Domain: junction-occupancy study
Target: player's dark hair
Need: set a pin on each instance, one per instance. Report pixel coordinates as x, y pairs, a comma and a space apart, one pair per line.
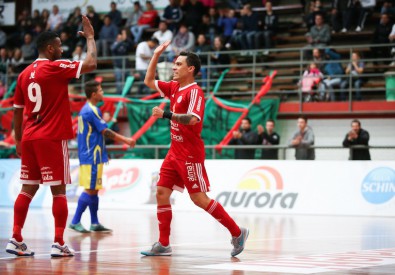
91, 87
303, 117
44, 39
356, 121
192, 60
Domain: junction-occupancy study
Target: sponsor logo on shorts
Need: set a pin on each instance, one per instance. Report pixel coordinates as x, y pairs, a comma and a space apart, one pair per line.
250, 191
191, 171
24, 175
47, 177
379, 185
178, 138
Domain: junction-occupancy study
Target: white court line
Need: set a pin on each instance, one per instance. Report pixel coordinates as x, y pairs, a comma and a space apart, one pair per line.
206, 243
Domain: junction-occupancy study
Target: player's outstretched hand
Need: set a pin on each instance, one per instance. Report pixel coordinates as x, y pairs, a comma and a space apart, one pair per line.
157, 112
88, 31
131, 142
161, 48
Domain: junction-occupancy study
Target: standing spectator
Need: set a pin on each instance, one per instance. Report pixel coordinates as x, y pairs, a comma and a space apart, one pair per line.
227, 23
357, 136
108, 34
134, 15
29, 50
315, 8
144, 52
244, 137
333, 72
193, 12
147, 20
269, 29
172, 14
340, 15
163, 35
364, 7
320, 33
121, 47
355, 70
268, 137
92, 132
302, 139
115, 15
183, 41
381, 36
94, 19
55, 20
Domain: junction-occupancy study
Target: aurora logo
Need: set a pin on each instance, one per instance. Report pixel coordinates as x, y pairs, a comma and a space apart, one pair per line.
261, 187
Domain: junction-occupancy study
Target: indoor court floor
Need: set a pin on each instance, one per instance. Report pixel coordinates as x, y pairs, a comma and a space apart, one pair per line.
277, 244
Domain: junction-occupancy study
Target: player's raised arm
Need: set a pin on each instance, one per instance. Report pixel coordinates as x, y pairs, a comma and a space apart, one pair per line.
90, 62
150, 76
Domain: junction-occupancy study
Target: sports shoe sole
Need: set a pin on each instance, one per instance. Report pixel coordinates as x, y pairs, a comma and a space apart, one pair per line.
20, 254
152, 254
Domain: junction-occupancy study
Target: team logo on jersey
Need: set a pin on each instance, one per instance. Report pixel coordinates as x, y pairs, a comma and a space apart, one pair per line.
179, 99
32, 74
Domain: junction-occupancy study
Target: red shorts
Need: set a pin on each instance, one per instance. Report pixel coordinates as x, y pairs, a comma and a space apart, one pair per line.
179, 174
46, 162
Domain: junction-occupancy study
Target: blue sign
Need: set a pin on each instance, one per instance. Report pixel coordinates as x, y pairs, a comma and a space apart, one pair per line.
379, 185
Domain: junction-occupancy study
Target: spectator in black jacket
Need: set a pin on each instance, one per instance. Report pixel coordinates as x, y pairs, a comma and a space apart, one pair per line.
268, 26
268, 137
244, 137
193, 12
115, 15
357, 136
381, 36
172, 14
249, 21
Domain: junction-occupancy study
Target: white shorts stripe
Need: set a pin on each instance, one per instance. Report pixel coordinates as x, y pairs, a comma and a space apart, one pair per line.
201, 178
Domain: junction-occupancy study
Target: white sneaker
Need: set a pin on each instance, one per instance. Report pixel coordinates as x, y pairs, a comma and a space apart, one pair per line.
18, 248
58, 250
358, 29
344, 30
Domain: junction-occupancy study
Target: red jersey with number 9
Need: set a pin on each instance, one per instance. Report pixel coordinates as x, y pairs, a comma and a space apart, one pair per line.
186, 141
42, 89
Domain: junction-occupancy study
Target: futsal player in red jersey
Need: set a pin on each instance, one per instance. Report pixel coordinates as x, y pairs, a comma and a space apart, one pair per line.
183, 166
42, 95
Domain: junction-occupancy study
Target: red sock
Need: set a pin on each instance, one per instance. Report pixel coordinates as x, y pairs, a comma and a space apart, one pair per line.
164, 215
218, 212
21, 207
60, 213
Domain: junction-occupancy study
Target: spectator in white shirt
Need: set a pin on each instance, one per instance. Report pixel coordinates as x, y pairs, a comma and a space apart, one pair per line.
55, 20
163, 35
144, 52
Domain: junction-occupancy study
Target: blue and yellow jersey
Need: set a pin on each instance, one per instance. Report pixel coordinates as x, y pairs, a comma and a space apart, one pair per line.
91, 147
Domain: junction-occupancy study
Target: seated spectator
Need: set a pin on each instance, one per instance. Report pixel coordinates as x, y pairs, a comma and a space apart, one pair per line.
193, 11
309, 82
29, 50
134, 15
67, 45
318, 59
244, 137
355, 69
3, 38
227, 23
268, 137
172, 14
73, 22
163, 35
206, 28
357, 136
121, 47
79, 54
17, 63
55, 20
333, 72
268, 25
44, 18
381, 36
4, 64
249, 21
36, 18
320, 34
108, 34
115, 15
147, 20
219, 57
212, 21
183, 41
302, 139
388, 7
144, 53
202, 47
25, 22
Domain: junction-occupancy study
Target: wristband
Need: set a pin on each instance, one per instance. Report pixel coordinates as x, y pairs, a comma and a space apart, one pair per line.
167, 114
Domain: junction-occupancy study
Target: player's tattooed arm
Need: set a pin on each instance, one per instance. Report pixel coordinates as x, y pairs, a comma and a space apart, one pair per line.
182, 118
108, 133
